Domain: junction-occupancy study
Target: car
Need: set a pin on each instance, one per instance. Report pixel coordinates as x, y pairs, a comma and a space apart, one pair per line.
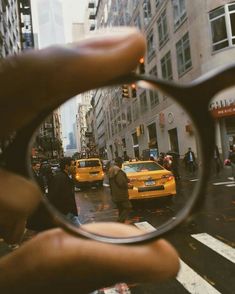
148, 179
89, 171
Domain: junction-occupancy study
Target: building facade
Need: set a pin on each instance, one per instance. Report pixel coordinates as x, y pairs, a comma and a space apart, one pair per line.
185, 39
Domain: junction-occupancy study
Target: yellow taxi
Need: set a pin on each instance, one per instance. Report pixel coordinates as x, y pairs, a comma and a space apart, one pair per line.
88, 171
148, 179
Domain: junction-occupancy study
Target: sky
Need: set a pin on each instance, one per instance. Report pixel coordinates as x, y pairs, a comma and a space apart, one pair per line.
74, 11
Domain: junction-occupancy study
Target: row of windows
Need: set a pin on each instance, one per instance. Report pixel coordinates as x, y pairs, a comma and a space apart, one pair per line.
222, 21
179, 12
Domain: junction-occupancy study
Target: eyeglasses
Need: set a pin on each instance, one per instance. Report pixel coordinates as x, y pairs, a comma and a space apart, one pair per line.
181, 117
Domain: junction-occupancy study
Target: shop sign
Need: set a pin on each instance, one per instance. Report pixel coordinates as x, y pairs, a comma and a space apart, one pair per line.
223, 111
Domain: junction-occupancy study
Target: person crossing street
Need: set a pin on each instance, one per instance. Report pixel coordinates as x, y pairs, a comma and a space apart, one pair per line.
119, 189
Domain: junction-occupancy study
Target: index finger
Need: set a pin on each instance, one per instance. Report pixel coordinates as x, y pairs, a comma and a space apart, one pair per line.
43, 79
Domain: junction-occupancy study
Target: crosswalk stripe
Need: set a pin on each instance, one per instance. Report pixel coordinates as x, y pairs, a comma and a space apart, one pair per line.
190, 280
216, 245
223, 183
193, 282
145, 226
231, 185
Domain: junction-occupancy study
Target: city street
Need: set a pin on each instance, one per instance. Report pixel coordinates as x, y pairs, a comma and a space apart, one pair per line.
205, 245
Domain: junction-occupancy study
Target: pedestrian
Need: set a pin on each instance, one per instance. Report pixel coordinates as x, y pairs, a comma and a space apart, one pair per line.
217, 161
175, 164
160, 159
61, 191
47, 174
190, 161
231, 157
118, 182
38, 176
55, 261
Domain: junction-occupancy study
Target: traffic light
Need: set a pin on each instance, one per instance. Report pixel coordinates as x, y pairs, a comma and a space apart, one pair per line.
125, 91
141, 65
133, 90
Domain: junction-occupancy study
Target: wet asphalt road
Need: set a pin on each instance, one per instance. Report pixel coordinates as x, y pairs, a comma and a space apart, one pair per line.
205, 244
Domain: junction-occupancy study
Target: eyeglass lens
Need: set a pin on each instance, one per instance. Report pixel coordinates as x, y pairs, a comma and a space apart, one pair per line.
156, 140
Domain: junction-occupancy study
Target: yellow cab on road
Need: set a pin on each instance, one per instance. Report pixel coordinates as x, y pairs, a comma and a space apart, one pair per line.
88, 172
148, 179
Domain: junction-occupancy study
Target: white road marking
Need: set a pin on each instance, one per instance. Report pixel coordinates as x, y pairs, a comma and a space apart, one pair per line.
145, 226
223, 183
220, 247
194, 180
192, 282
231, 178
231, 185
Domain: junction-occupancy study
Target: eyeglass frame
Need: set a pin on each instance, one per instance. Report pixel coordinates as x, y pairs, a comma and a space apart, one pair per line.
194, 97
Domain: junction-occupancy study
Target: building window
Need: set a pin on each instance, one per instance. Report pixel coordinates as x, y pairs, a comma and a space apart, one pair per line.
222, 22
137, 21
153, 94
147, 11
135, 110
158, 2
124, 120
119, 124
124, 143
115, 126
152, 136
150, 46
179, 11
152, 131
166, 67
162, 29
184, 61
128, 115
112, 129
143, 102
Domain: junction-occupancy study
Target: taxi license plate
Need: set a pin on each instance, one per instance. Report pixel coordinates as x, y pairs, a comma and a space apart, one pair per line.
149, 183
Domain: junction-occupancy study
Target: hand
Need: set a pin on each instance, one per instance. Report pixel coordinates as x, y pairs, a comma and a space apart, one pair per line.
55, 262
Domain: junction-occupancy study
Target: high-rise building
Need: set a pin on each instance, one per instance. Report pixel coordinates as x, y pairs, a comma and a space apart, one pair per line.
50, 22
185, 39
15, 27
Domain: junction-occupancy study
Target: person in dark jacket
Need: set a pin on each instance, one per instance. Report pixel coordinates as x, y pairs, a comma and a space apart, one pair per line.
231, 157
118, 182
61, 191
190, 161
36, 168
217, 161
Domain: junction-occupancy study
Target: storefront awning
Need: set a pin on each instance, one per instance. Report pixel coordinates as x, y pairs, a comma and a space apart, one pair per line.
223, 111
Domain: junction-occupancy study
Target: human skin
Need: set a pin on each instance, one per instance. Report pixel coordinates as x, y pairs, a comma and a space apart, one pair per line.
55, 261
